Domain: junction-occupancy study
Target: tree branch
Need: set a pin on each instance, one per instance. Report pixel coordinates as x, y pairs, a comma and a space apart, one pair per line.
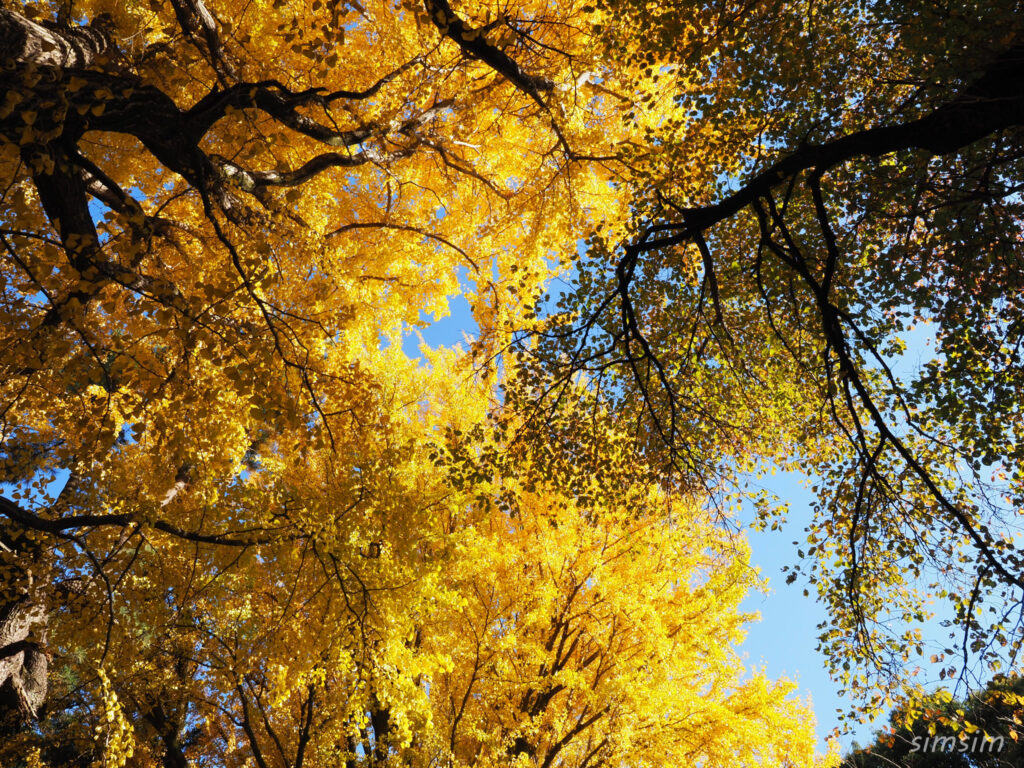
474, 43
257, 181
994, 102
61, 525
70, 48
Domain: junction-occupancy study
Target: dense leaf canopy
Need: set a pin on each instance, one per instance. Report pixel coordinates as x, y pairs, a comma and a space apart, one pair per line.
841, 180
244, 527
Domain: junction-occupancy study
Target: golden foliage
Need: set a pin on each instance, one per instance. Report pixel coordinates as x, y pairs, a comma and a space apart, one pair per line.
278, 540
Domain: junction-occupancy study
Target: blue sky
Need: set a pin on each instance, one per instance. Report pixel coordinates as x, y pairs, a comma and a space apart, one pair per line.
784, 640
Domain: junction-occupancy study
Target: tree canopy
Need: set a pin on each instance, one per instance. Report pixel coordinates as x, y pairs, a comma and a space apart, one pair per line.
244, 527
841, 180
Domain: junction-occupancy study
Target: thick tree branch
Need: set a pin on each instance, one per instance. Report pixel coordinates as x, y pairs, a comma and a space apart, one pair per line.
256, 181
198, 23
63, 185
282, 104
994, 102
475, 44
23, 661
70, 48
169, 730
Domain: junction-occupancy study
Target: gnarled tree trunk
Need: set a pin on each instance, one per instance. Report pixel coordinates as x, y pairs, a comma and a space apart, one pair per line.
23, 659
23, 40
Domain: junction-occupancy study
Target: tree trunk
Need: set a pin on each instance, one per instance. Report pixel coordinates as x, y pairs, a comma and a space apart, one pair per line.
23, 660
23, 619
25, 41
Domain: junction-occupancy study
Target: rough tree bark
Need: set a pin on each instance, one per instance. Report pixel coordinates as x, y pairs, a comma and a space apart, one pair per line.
49, 46
23, 618
23, 661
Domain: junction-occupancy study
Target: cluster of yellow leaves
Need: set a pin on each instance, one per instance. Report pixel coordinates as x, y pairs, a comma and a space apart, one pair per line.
606, 634
283, 564
116, 734
481, 634
483, 203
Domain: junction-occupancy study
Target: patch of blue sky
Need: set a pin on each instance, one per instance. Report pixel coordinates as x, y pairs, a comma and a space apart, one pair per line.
783, 641
37, 492
457, 328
